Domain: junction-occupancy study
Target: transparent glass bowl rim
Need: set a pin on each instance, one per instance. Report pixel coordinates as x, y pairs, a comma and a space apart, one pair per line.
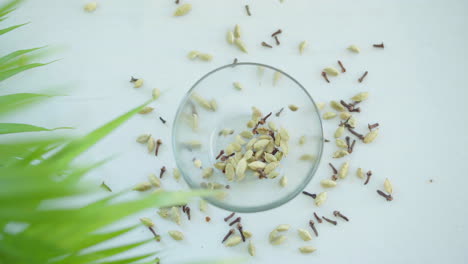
259, 208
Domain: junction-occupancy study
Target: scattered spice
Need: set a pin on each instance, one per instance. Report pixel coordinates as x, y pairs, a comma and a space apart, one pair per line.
317, 218
220, 154
231, 231
354, 49
293, 108
158, 144
338, 214
372, 126
386, 196
324, 75
388, 186
264, 44
369, 137
351, 148
321, 198
90, 7
240, 44
343, 69
279, 112
229, 217
277, 41
233, 241
312, 225
163, 170
183, 10
335, 171
162, 120
177, 2
176, 235
302, 46
251, 248
237, 31
224, 158
207, 219
307, 249
329, 220
313, 195
279, 31
369, 174
239, 227
304, 234
362, 77
350, 107
247, 9
331, 71
360, 136
237, 220
326, 140
360, 97
381, 45
235, 61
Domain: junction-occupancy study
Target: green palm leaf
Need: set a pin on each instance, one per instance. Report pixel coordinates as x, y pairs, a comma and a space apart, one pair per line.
8, 29
11, 72
13, 102
9, 128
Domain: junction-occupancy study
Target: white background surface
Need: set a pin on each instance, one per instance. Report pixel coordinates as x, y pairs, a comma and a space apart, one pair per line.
418, 95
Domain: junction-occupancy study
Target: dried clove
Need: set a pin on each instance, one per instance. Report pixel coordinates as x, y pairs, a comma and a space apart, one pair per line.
313, 195
229, 217
372, 126
158, 144
326, 140
156, 236
324, 75
362, 77
319, 220
241, 231
361, 137
162, 120
224, 158
235, 61
247, 9
262, 174
263, 120
329, 220
237, 220
351, 148
276, 33
220, 154
264, 44
163, 170
279, 112
177, 2
277, 41
381, 45
207, 219
186, 210
312, 225
335, 171
338, 214
386, 196
369, 174
343, 69
231, 231
133, 79
350, 107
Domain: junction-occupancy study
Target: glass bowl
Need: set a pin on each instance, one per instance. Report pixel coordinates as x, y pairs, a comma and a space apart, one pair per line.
197, 137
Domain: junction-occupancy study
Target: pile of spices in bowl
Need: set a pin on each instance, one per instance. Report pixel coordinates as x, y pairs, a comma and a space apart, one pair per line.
257, 151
